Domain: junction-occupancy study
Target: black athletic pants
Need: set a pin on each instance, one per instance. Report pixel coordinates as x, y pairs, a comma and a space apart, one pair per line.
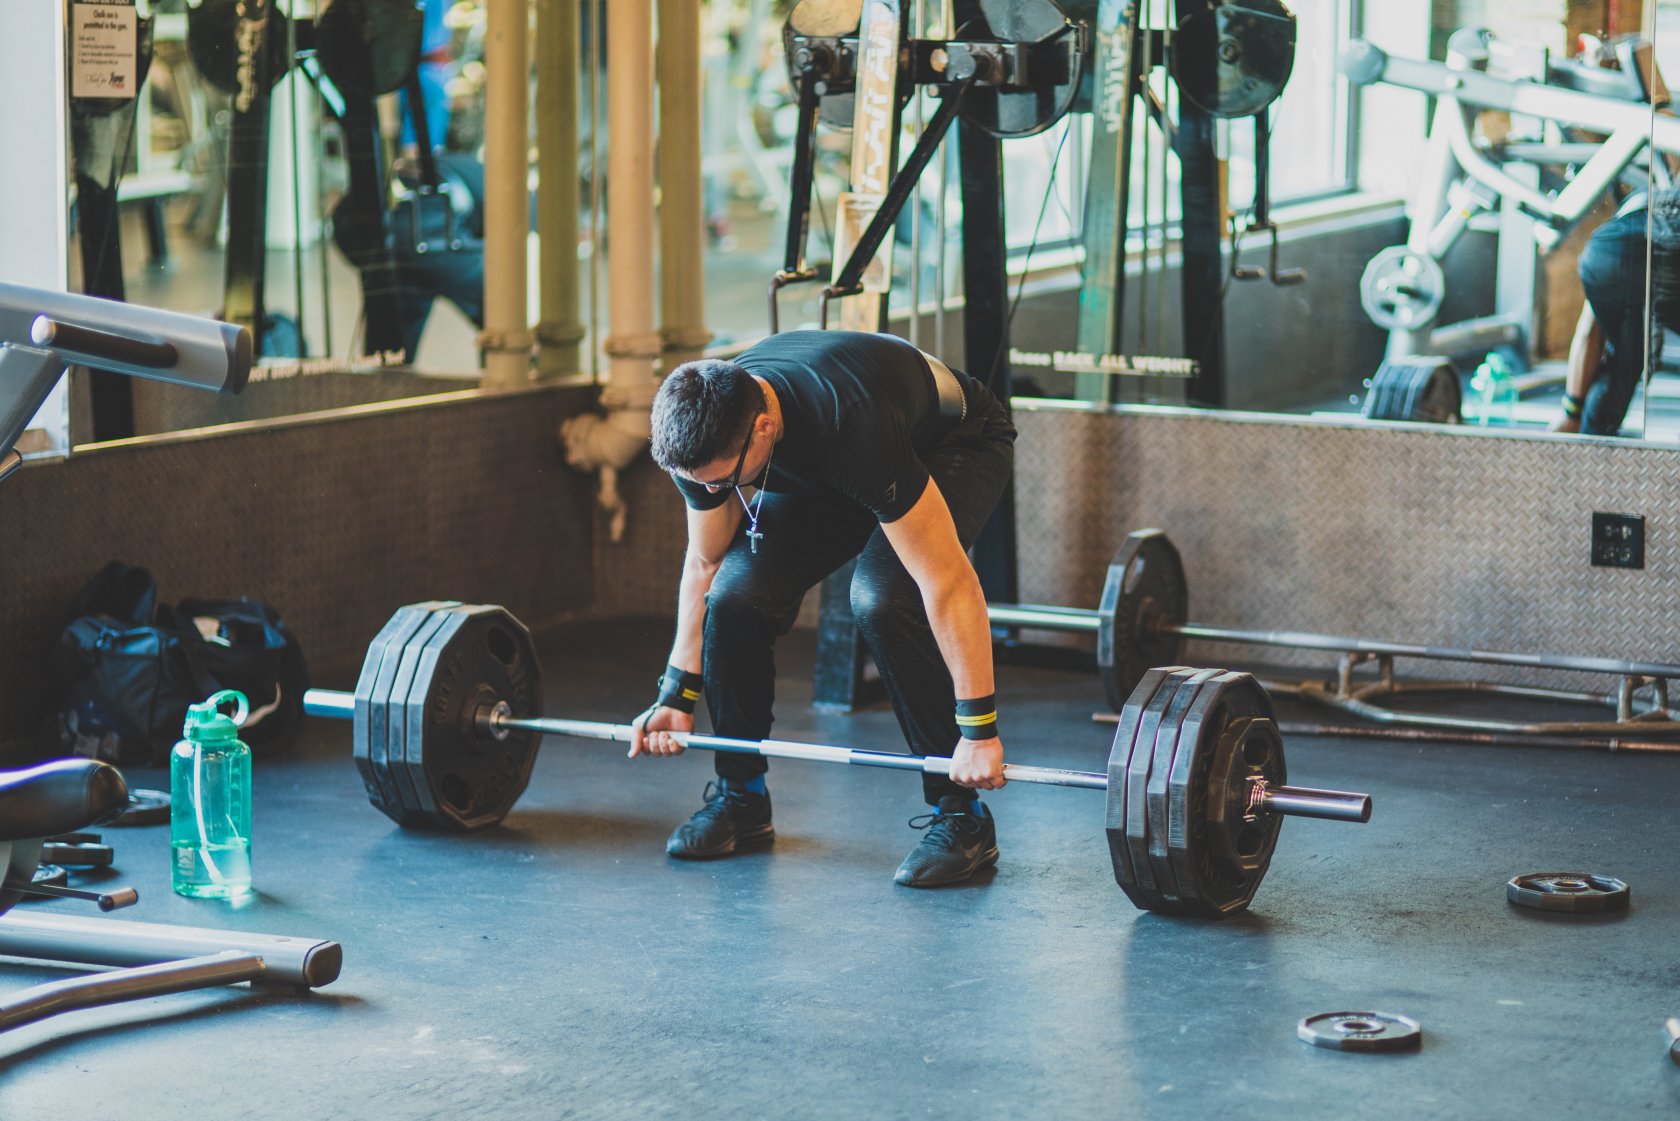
754, 599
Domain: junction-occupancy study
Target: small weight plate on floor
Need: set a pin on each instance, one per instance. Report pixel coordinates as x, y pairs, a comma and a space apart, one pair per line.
1119, 763
145, 807
1143, 590
77, 854
1572, 892
1361, 1031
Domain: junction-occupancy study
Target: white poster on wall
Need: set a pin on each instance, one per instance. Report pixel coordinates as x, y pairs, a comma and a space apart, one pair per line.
104, 42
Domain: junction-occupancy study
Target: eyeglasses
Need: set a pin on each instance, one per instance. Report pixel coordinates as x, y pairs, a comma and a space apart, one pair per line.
733, 480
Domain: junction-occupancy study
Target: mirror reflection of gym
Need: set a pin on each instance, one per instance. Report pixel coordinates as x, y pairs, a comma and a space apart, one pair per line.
308, 170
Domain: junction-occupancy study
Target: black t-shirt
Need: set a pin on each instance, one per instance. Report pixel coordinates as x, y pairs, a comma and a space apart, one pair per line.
858, 411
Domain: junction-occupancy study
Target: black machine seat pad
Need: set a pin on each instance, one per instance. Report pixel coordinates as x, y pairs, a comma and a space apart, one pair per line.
59, 797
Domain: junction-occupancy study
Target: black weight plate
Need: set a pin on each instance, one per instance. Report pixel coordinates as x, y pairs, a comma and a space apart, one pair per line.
373, 700
1235, 60
215, 30
1056, 58
1137, 791
1361, 1031
145, 807
77, 854
1119, 763
1160, 773
473, 778
390, 690
368, 47
1227, 737
1570, 892
1144, 586
412, 798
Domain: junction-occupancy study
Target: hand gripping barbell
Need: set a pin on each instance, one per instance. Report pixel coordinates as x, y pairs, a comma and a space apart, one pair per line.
1196, 783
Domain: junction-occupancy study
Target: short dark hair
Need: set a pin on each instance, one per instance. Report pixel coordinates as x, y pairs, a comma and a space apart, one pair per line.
702, 413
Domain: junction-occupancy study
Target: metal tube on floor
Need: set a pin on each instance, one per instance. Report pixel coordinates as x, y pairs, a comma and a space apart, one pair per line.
100, 989
310, 962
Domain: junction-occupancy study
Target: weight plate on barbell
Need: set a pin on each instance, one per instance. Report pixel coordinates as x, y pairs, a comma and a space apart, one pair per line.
1361, 1031
1402, 289
1143, 591
1234, 60
1052, 47
472, 778
1218, 850
1163, 829
1139, 821
414, 797
373, 707
1119, 764
1572, 892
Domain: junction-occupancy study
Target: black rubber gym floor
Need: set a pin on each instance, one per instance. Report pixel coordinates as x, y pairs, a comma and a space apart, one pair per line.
562, 967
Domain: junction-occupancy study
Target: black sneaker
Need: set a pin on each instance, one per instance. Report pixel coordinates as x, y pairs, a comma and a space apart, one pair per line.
957, 845
733, 818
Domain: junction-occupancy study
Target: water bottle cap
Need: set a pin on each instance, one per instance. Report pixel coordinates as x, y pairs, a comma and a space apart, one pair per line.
207, 723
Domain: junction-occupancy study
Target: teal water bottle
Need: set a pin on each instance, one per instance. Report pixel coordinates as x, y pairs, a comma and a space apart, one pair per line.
210, 802
1493, 389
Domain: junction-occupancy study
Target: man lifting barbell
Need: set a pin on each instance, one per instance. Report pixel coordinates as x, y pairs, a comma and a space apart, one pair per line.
852, 445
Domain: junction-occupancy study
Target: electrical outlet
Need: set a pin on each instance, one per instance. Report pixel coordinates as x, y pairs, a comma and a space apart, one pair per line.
1618, 540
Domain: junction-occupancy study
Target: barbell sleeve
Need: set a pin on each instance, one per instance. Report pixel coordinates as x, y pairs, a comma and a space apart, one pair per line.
1331, 805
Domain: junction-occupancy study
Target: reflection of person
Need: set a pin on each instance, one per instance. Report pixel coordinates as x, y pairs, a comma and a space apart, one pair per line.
1607, 355
860, 446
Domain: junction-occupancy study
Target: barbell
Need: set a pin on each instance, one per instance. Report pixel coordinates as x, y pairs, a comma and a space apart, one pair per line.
1142, 621
1196, 785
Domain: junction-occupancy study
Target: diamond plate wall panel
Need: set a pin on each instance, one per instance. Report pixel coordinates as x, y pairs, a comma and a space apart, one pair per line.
1395, 533
336, 521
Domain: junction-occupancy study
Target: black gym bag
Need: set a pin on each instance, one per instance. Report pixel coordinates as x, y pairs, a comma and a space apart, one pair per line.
125, 671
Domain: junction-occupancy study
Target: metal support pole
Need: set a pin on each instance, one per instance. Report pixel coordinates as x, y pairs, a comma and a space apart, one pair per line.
559, 328
506, 338
682, 205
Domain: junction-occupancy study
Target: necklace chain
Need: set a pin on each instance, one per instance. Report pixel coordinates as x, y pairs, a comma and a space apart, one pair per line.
753, 536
